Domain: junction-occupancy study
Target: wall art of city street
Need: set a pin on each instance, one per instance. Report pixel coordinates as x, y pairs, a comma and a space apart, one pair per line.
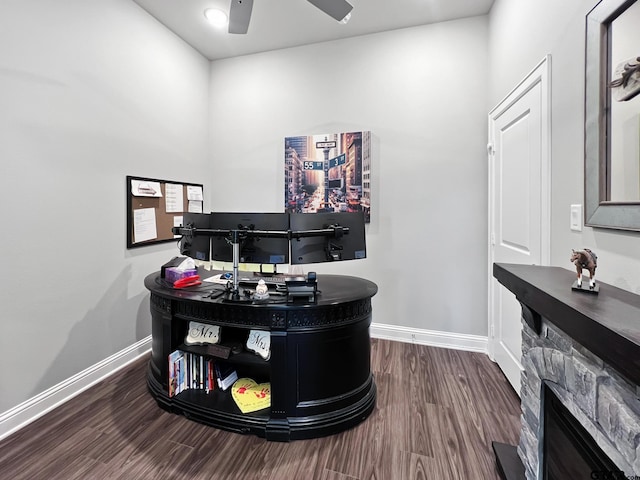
328, 173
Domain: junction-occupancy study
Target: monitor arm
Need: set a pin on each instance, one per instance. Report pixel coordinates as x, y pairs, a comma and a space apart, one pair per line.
236, 236
330, 231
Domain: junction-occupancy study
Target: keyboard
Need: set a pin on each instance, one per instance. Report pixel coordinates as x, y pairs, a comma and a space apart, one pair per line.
277, 279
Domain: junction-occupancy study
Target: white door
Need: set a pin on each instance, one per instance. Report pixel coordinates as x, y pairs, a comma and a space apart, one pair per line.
518, 205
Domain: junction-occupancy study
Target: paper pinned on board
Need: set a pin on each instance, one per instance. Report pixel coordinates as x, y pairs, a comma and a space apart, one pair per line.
177, 222
174, 202
144, 188
195, 206
194, 192
144, 225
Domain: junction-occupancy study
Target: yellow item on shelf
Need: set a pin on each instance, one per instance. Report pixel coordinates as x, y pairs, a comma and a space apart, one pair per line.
250, 396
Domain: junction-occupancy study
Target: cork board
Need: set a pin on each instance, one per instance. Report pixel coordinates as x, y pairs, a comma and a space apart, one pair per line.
155, 206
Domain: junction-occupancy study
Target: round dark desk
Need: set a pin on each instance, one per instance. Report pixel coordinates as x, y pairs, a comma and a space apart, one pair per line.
319, 368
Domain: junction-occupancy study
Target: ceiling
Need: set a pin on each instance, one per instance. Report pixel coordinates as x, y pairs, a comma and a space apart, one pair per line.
277, 24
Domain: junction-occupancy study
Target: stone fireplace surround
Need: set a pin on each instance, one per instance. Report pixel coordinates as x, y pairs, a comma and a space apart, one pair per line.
586, 348
598, 397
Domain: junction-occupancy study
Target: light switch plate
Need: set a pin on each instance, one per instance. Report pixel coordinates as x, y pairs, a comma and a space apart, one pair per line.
576, 218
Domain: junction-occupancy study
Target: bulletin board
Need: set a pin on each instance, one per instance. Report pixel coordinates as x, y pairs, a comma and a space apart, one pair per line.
155, 206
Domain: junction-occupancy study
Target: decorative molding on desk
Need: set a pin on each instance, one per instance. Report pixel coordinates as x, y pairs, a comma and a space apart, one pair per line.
21, 415
160, 303
434, 338
342, 314
223, 314
292, 318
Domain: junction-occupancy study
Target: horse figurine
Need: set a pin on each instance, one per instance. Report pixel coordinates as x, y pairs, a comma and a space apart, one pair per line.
585, 260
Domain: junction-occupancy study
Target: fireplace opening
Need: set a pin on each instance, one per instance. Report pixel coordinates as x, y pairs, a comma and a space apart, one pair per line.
569, 451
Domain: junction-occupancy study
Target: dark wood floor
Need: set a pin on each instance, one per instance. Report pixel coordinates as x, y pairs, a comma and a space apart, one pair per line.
437, 412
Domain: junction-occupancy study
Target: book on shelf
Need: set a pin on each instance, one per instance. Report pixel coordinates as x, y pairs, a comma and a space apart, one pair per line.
190, 371
226, 375
194, 371
210, 376
202, 372
176, 373
182, 375
187, 371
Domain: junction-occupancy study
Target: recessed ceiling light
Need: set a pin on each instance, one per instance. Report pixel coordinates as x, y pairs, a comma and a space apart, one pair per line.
218, 18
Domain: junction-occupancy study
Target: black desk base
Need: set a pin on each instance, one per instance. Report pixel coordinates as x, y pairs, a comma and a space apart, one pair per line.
319, 369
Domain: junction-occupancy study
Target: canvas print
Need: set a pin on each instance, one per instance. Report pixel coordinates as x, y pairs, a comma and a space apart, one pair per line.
328, 173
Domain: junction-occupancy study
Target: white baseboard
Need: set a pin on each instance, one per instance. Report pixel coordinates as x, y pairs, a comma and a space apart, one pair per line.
28, 411
457, 341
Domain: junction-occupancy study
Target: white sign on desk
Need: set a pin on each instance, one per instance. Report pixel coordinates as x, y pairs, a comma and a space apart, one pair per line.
202, 334
259, 342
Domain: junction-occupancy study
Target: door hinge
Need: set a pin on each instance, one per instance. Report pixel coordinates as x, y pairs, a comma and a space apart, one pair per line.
490, 149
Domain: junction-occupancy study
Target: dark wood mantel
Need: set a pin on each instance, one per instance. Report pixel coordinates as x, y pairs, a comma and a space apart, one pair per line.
607, 324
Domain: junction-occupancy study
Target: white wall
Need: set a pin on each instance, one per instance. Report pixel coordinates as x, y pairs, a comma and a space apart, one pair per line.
89, 92
422, 93
521, 34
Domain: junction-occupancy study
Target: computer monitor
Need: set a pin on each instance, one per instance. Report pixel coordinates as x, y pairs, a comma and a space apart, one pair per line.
318, 249
253, 249
197, 247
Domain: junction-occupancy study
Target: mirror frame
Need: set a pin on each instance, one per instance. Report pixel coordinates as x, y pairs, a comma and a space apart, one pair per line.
599, 210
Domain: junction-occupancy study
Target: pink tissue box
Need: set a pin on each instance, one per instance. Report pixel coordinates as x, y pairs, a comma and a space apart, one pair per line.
172, 274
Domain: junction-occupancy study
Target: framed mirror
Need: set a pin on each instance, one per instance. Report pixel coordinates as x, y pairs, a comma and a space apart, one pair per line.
612, 116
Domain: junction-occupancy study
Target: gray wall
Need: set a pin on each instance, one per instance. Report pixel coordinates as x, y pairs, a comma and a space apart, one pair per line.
422, 93
521, 34
89, 92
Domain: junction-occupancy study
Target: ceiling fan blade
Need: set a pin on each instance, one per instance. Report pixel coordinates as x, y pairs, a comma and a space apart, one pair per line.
337, 9
240, 15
